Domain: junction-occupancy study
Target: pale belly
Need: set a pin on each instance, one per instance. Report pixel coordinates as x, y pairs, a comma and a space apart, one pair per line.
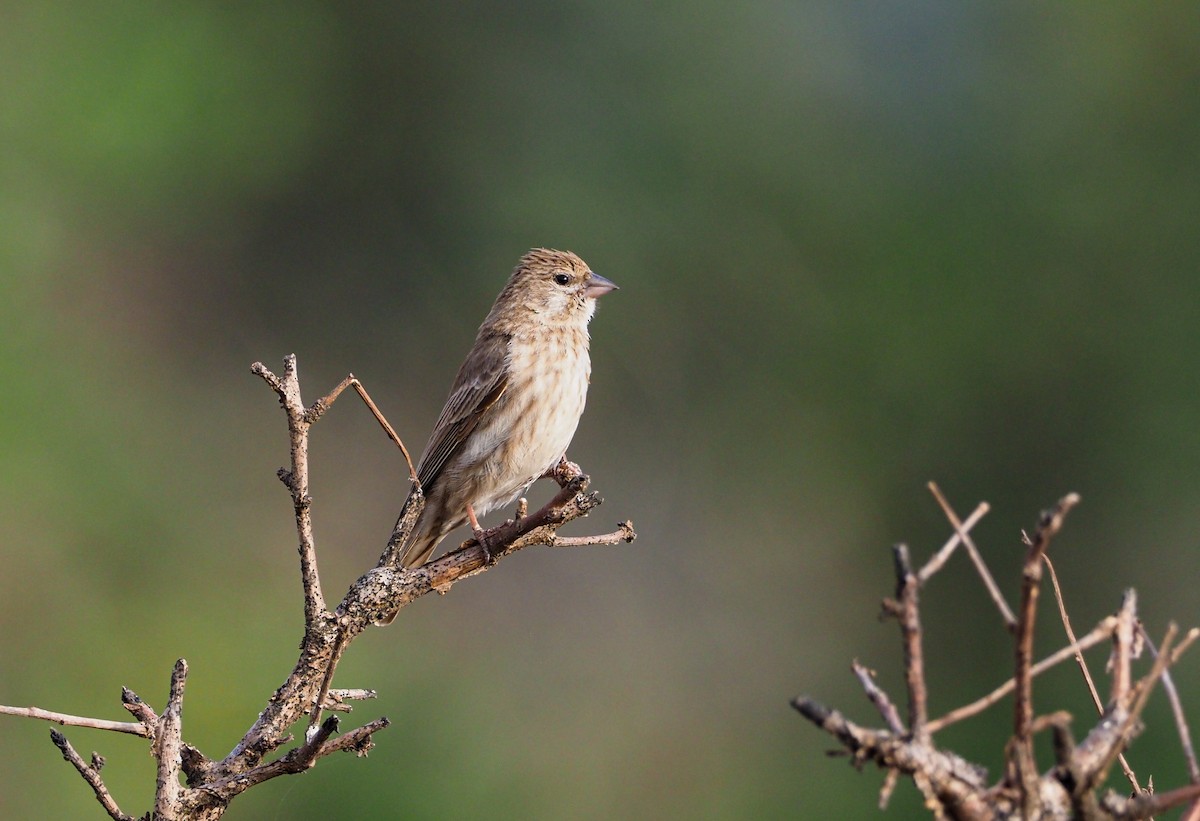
528, 436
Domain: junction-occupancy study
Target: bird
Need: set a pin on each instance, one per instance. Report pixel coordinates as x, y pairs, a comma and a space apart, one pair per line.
517, 399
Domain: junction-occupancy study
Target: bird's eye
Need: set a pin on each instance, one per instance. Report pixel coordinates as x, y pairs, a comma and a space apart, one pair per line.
562, 279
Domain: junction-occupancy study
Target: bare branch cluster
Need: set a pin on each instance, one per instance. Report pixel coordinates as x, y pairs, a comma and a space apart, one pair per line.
376, 597
955, 788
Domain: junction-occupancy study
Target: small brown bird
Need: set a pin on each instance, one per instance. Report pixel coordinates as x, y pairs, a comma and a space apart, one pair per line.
516, 401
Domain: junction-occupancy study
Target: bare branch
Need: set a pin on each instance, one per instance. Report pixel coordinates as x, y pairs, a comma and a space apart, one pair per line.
140, 710
981, 567
937, 560
1149, 804
1130, 776
91, 774
339, 647
622, 535
1181, 725
1022, 748
336, 699
357, 741
908, 614
878, 697
960, 784
65, 720
167, 748
1098, 634
296, 479
321, 405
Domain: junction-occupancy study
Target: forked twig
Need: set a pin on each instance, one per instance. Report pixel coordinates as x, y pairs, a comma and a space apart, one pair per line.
91, 774
321, 405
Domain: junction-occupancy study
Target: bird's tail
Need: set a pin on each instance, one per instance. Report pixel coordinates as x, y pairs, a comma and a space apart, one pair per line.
415, 551
419, 548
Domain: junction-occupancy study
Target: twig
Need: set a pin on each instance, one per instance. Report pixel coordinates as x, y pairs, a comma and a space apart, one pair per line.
91, 774
357, 741
937, 560
339, 647
296, 479
1066, 621
908, 614
140, 710
63, 719
1031, 576
960, 784
1181, 725
1148, 804
622, 535
336, 699
167, 748
1122, 654
1127, 770
321, 405
1122, 719
889, 786
878, 697
980, 566
1098, 634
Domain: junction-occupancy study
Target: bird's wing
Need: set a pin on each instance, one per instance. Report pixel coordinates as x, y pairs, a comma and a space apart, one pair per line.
481, 381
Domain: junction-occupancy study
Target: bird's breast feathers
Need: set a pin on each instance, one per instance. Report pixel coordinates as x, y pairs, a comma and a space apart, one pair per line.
548, 379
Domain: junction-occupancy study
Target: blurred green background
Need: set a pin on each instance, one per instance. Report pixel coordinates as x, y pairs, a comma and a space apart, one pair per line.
859, 247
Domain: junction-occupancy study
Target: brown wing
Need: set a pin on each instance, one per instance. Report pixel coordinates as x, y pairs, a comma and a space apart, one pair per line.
481, 380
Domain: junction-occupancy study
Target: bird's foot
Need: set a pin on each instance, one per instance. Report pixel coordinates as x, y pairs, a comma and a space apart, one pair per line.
482, 539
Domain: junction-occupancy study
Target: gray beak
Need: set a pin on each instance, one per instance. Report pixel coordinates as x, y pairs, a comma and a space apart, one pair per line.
597, 286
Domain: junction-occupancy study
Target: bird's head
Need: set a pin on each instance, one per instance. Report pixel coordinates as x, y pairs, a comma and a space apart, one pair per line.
551, 288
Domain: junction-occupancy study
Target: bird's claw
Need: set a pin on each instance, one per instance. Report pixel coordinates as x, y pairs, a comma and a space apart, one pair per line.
489, 558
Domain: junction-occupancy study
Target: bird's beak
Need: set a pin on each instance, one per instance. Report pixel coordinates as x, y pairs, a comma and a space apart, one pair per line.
597, 286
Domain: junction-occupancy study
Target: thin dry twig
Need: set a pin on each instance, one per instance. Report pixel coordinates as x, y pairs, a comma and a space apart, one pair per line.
1023, 763
960, 530
1181, 725
1100, 633
1066, 621
1127, 770
296, 480
91, 774
339, 646
65, 720
907, 612
938, 559
891, 716
321, 405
